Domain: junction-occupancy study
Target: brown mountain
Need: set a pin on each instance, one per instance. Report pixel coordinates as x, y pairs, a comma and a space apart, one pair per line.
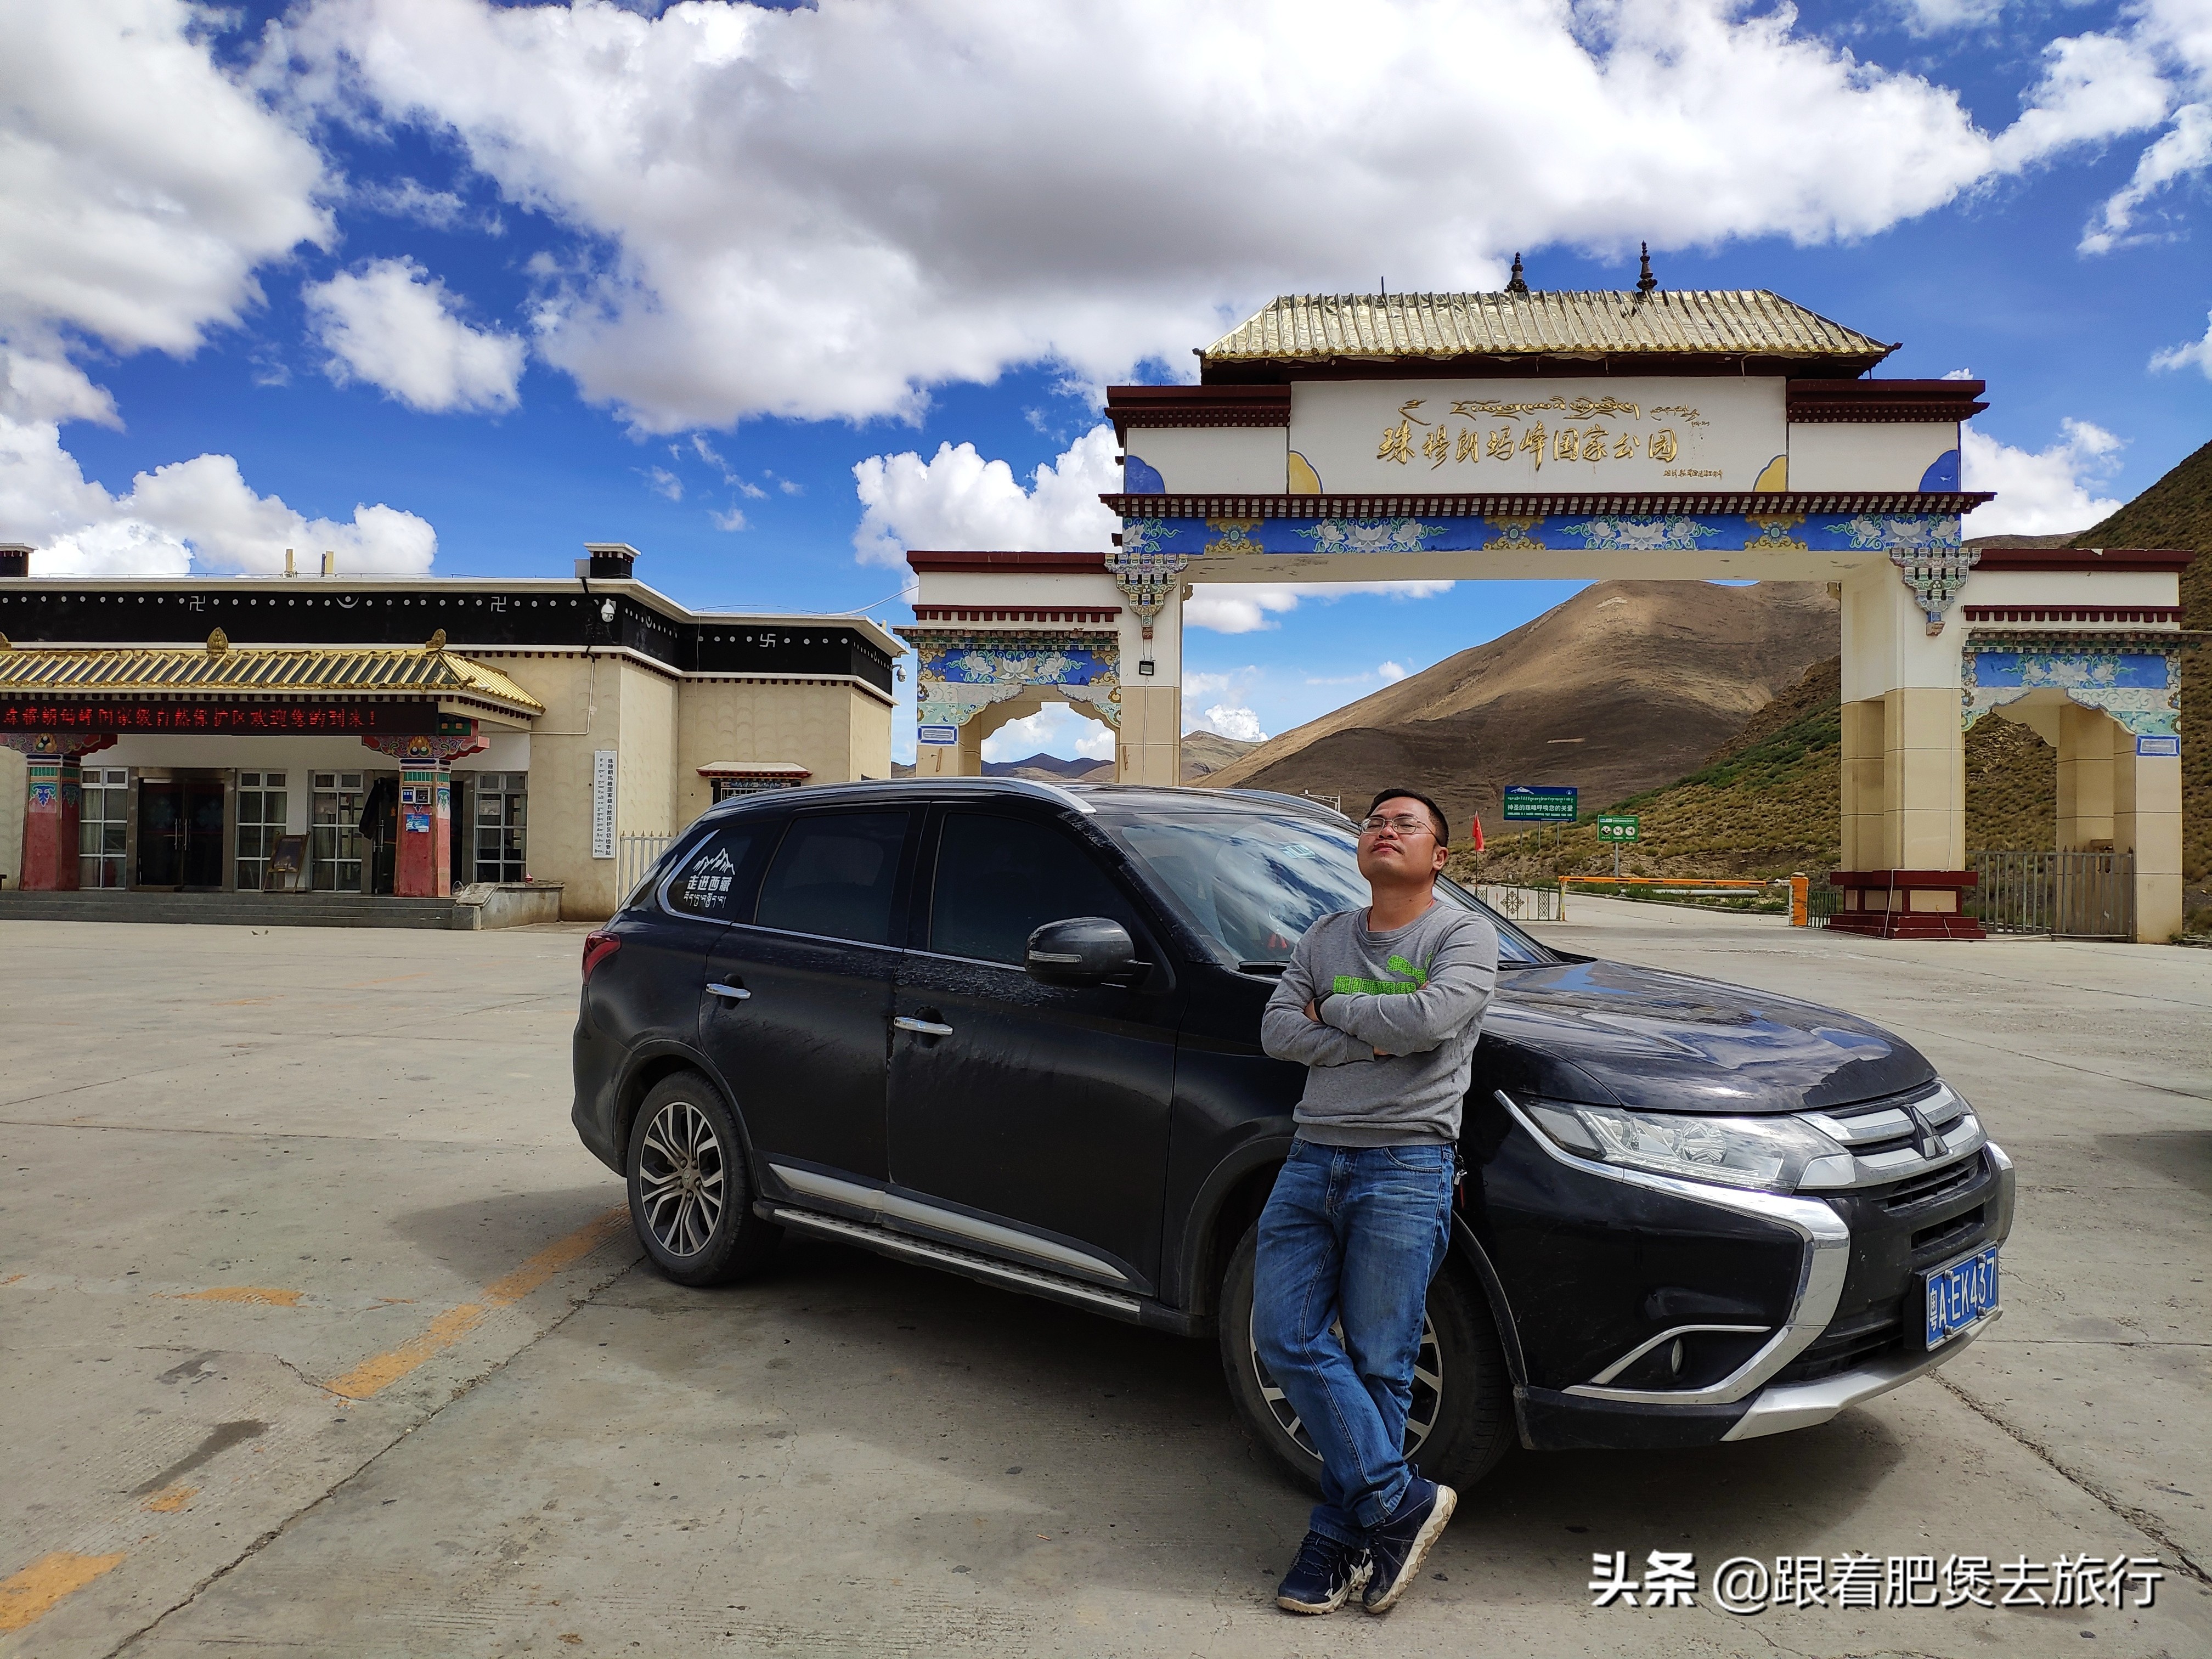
1624, 687
1207, 752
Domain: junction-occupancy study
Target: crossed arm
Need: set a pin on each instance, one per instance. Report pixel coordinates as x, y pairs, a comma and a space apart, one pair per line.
1289, 1030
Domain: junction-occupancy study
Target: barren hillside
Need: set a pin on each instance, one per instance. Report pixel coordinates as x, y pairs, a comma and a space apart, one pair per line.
1624, 687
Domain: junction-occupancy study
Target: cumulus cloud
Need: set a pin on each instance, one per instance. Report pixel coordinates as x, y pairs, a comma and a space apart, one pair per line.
1232, 716
1224, 608
393, 325
958, 500
820, 212
2041, 493
2175, 38
1390, 672
2194, 352
198, 513
1055, 729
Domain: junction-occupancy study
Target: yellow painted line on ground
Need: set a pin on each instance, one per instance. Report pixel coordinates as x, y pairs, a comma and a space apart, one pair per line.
380, 1371
170, 1499
261, 1295
31, 1593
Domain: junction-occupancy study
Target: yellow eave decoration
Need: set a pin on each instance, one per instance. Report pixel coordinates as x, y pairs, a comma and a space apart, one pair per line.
431, 671
1669, 322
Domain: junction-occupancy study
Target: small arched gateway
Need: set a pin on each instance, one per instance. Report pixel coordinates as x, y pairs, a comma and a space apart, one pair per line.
1699, 436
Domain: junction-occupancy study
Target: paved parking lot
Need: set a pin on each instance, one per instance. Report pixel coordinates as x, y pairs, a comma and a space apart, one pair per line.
319, 1333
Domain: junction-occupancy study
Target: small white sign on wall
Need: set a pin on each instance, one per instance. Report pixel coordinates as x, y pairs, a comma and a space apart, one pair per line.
603, 802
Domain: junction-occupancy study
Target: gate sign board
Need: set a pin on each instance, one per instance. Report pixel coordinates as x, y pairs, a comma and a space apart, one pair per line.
2169, 748
603, 802
1540, 804
1618, 826
1485, 436
938, 734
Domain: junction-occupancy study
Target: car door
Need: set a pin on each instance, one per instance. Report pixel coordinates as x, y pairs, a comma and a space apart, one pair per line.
798, 997
1016, 1101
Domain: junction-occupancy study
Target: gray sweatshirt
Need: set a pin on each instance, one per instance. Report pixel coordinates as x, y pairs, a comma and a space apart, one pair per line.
1417, 994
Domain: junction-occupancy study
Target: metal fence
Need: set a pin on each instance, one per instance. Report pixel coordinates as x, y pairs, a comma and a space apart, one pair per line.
1525, 904
2059, 895
636, 855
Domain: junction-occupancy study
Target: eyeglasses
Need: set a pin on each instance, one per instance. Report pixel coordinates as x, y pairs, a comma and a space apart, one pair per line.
1404, 823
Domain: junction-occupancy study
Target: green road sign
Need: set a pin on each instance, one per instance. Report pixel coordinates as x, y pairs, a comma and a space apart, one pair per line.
1617, 826
1539, 804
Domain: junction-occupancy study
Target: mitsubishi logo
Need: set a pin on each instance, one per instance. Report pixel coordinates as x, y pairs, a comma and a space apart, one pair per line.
1925, 1140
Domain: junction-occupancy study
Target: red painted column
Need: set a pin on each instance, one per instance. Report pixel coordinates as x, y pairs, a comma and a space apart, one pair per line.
426, 848
53, 799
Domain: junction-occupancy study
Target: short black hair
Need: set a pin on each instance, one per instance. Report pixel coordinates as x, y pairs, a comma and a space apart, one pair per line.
1435, 813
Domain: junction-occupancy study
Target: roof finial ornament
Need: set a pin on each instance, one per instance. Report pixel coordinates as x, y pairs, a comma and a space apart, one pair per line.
217, 643
1645, 281
436, 643
1520, 283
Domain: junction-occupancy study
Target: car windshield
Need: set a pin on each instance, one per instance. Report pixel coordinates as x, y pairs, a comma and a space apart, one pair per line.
1251, 883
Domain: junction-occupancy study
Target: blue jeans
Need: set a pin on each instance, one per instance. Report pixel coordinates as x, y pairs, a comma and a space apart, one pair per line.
1351, 1234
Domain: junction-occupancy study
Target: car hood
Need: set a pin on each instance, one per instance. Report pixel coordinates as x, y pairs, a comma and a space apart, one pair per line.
1610, 1034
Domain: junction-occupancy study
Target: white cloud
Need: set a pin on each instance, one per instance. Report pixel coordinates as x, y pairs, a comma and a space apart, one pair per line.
2196, 352
411, 199
393, 325
140, 186
2041, 493
733, 519
958, 500
2185, 148
1390, 672
819, 212
1940, 16
1237, 609
665, 484
196, 514
1231, 720
2176, 36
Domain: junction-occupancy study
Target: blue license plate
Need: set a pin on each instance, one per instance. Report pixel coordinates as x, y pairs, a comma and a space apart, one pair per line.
1961, 1295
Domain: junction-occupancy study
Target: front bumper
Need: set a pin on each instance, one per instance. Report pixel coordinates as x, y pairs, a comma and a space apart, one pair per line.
1848, 1334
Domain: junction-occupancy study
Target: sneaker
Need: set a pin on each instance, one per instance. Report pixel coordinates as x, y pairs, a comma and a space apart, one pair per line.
1325, 1573
1400, 1544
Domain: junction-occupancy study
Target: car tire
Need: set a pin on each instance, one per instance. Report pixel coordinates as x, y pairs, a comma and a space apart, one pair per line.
690, 1189
1456, 1431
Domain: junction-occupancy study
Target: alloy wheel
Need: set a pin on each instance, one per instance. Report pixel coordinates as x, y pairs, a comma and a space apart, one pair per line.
681, 1179
1421, 1414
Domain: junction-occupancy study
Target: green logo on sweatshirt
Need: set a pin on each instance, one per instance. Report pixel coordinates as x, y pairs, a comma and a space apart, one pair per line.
1345, 983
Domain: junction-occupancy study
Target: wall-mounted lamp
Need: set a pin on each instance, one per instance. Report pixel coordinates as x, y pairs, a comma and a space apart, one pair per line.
1144, 666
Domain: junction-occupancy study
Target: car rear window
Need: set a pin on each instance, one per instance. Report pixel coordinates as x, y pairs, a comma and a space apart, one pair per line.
835, 876
1251, 884
709, 884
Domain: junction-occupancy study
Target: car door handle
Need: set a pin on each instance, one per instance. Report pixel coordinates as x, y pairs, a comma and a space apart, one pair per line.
925, 1027
735, 993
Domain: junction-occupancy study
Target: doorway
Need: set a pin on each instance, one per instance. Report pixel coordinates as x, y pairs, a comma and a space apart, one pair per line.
181, 832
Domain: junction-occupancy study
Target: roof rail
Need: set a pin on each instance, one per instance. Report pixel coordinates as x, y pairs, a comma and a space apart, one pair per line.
1053, 791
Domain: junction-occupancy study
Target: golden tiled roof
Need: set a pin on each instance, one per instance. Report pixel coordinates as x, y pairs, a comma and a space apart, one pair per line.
427, 671
1690, 322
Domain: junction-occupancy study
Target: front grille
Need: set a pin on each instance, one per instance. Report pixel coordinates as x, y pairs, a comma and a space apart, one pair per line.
1932, 1184
1957, 1230
1842, 1348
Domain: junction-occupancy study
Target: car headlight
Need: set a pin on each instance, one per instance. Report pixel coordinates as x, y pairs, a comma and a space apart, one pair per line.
1777, 1154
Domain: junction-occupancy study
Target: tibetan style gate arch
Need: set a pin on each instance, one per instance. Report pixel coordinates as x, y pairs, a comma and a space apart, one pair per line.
1697, 435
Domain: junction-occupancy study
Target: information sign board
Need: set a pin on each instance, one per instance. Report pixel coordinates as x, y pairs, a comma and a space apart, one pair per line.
1618, 826
1540, 804
603, 802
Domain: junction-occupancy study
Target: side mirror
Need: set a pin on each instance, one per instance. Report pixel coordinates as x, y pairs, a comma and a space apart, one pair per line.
1081, 950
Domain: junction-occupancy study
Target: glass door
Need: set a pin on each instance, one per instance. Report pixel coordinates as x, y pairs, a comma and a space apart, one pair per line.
334, 844
262, 801
104, 828
502, 802
181, 831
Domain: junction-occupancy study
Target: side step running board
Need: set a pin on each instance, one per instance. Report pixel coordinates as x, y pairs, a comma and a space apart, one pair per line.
1033, 1281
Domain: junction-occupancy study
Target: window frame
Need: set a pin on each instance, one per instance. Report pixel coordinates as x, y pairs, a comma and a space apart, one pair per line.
900, 922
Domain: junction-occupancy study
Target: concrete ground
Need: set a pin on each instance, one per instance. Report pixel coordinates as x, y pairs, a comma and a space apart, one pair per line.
319, 1333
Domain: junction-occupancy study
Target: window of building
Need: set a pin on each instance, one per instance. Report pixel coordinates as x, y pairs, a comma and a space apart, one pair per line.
1000, 879
835, 876
502, 826
731, 788
334, 838
103, 827
262, 799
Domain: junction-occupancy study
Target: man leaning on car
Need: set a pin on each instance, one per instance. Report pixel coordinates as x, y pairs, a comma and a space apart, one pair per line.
1384, 1006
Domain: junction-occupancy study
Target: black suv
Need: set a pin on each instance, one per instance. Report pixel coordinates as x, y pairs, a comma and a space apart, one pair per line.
1011, 1030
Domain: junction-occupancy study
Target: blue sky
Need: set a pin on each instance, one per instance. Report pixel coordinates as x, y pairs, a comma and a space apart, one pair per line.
525, 277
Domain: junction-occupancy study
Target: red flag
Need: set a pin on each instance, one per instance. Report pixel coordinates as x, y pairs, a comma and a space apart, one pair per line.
1478, 833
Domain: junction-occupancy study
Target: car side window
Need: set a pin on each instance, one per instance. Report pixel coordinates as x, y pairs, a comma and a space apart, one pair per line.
710, 883
999, 879
835, 875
